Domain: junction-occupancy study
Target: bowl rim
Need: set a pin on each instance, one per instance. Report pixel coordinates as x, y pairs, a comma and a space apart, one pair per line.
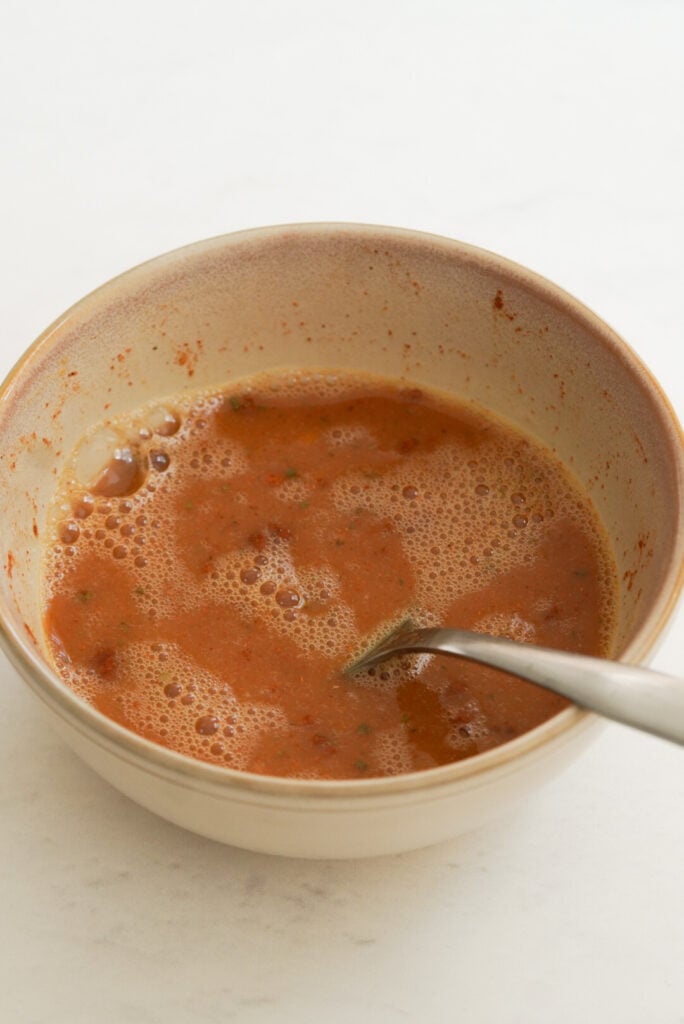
509, 756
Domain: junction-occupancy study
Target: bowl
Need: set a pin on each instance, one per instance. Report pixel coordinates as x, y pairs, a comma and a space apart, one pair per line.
384, 300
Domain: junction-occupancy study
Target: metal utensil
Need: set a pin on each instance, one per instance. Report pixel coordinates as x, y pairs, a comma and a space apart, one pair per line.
640, 697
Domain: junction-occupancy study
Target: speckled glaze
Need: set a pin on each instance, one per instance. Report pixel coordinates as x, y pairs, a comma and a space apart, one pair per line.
338, 296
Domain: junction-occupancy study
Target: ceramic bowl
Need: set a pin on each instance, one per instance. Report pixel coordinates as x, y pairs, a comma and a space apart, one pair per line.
384, 300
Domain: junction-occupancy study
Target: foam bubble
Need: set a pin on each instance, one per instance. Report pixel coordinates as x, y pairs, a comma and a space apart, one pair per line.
514, 627
183, 704
393, 751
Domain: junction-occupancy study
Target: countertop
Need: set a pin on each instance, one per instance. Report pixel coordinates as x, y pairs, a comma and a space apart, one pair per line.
551, 133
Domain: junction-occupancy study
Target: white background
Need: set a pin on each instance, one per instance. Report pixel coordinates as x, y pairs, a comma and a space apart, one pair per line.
551, 132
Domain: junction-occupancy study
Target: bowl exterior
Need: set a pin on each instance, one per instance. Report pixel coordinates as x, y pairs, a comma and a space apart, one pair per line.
329, 826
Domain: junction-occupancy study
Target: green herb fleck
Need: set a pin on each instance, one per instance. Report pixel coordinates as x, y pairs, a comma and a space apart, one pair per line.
364, 729
84, 596
290, 473
361, 766
582, 573
235, 402
405, 718
303, 504
401, 582
124, 626
189, 505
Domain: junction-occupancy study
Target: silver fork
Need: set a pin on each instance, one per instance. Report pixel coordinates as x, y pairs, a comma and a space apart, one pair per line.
636, 696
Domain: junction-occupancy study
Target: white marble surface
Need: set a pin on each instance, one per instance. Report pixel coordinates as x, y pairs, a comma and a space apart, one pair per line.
549, 132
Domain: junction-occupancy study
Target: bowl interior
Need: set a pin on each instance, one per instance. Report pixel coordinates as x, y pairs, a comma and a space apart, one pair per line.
382, 300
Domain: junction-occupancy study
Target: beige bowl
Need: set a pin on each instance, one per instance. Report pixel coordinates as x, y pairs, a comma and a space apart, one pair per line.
341, 296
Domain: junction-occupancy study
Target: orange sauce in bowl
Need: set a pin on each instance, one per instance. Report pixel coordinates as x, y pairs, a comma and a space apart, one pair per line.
208, 585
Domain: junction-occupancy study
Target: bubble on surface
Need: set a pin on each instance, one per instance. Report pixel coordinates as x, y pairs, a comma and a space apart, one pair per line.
68, 532
95, 451
511, 626
392, 751
209, 710
163, 421
159, 460
124, 473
